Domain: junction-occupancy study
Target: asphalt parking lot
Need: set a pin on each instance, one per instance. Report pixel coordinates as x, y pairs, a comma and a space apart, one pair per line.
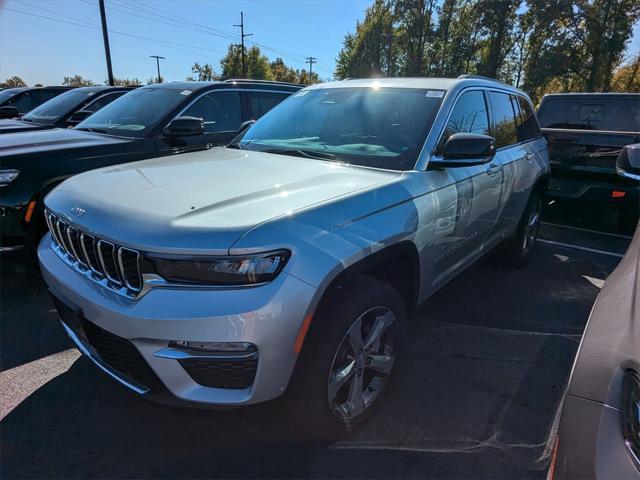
476, 396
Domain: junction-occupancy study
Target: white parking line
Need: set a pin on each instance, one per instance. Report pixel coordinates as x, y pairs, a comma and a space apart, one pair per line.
579, 229
578, 247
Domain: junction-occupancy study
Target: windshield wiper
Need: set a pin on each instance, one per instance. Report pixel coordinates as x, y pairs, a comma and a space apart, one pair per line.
296, 152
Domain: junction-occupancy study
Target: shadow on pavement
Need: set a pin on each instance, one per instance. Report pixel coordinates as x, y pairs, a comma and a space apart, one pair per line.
475, 396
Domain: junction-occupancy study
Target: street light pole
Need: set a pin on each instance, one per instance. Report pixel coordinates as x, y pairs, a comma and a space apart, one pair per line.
158, 58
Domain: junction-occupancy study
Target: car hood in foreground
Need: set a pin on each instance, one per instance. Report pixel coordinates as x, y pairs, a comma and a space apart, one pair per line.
16, 125
203, 201
52, 140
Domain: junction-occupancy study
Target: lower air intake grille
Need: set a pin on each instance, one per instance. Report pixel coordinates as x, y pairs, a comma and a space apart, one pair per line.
232, 374
121, 355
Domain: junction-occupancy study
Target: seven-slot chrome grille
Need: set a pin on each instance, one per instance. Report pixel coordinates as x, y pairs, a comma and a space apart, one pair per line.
114, 266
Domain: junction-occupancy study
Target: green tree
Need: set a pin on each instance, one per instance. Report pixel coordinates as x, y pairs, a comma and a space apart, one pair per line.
77, 81
416, 31
13, 82
153, 80
498, 19
205, 73
258, 66
627, 77
125, 82
282, 73
368, 51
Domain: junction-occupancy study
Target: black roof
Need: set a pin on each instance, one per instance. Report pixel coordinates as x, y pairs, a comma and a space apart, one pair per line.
195, 86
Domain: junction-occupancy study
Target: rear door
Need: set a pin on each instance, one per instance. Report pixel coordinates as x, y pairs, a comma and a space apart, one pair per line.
221, 112
260, 102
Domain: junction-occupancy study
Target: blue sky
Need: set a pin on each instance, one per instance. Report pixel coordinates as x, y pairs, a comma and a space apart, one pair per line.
41, 50
44, 51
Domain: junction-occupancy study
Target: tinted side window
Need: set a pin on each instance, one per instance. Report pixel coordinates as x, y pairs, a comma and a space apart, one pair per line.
261, 102
503, 119
528, 129
22, 102
102, 101
220, 111
469, 115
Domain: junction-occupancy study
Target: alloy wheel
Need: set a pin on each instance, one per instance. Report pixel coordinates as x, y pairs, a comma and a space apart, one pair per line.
531, 229
362, 364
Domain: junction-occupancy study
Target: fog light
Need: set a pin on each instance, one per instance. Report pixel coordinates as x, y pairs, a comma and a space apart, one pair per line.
215, 346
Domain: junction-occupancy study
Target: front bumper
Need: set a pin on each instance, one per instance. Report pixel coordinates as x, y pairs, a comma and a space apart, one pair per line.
591, 443
13, 228
268, 316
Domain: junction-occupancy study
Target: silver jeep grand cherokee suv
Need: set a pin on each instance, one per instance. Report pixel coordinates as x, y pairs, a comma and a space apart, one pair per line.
293, 258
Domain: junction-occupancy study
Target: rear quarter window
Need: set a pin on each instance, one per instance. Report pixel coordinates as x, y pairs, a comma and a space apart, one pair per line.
591, 113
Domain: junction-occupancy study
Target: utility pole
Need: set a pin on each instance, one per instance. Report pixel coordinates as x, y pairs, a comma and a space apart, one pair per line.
311, 61
158, 58
242, 35
105, 37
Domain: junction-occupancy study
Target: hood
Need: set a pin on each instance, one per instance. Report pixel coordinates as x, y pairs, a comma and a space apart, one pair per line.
16, 125
52, 140
203, 201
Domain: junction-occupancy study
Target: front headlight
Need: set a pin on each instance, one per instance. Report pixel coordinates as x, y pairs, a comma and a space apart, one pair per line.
8, 176
631, 413
228, 270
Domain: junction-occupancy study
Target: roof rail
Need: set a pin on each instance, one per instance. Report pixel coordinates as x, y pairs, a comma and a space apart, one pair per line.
481, 77
267, 82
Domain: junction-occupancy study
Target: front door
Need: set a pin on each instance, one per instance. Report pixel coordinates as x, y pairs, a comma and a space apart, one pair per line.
221, 112
466, 199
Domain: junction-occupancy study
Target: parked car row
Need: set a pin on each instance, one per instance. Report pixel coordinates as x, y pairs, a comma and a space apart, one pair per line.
150, 121
15, 102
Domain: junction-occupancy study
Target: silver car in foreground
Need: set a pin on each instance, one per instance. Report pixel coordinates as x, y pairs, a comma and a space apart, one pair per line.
599, 434
293, 258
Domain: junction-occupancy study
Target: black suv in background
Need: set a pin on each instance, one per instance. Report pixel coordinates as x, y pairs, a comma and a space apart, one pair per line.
150, 121
586, 132
65, 110
15, 102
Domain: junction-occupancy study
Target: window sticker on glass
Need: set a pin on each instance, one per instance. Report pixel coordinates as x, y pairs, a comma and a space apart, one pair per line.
185, 92
435, 93
301, 93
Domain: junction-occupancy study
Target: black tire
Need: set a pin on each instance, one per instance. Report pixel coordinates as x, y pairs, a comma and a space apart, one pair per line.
324, 348
517, 250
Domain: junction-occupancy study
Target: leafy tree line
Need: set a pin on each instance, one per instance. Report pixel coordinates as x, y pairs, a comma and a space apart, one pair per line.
538, 45
259, 67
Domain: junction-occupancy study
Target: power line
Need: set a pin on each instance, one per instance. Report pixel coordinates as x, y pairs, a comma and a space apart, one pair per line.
164, 43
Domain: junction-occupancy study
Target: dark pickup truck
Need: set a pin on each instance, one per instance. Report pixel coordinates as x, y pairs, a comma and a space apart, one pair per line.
586, 132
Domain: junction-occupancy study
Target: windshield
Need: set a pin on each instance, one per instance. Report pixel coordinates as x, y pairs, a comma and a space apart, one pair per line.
619, 113
8, 93
135, 113
373, 127
50, 112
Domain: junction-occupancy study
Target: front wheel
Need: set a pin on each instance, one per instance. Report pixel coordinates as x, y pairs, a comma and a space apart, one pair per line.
518, 249
348, 358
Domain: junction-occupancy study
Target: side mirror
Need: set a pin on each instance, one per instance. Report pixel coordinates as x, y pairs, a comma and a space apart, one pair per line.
465, 150
628, 163
76, 117
245, 125
9, 112
184, 127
